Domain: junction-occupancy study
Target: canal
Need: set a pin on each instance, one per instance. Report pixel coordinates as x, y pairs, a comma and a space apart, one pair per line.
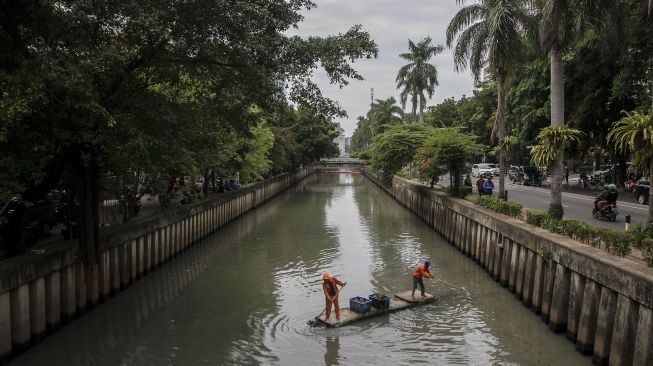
244, 296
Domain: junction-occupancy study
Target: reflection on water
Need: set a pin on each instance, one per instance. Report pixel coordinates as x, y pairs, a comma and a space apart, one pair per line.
332, 348
244, 295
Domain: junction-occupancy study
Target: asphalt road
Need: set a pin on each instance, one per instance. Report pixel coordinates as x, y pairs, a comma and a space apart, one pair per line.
577, 206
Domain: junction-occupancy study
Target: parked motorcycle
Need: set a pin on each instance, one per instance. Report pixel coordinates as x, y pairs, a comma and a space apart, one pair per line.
630, 186
609, 213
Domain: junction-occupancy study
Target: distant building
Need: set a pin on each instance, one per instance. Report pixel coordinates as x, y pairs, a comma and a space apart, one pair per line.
341, 140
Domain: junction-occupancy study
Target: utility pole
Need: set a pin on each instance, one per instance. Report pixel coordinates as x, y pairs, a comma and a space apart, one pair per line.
371, 114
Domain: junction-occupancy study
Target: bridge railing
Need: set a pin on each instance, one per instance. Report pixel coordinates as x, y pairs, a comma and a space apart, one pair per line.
340, 161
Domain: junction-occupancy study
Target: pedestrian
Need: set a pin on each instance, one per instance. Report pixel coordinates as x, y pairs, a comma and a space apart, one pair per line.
175, 185
468, 181
331, 291
582, 181
567, 174
488, 186
422, 270
479, 185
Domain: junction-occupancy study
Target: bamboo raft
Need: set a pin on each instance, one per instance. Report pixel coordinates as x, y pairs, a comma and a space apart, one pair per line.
399, 301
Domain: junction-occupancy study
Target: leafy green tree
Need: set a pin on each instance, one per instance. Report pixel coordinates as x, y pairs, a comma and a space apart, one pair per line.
634, 133
395, 148
447, 150
362, 136
88, 84
528, 102
418, 76
256, 162
444, 114
478, 113
489, 32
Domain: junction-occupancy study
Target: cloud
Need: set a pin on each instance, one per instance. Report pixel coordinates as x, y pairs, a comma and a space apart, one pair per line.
390, 23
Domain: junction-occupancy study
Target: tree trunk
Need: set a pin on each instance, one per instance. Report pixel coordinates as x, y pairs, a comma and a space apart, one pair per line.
557, 119
501, 131
421, 114
414, 107
205, 184
88, 219
455, 188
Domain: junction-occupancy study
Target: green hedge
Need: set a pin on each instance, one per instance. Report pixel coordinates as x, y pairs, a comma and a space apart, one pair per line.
616, 242
503, 207
619, 243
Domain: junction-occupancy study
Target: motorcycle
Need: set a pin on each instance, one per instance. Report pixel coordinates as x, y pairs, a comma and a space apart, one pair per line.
630, 186
609, 213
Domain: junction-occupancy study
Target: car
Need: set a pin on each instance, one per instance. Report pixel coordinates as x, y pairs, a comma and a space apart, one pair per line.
524, 174
641, 191
513, 173
485, 169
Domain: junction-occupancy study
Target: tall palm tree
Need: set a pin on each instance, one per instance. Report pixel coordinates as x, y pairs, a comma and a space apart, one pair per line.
489, 33
635, 133
418, 76
562, 22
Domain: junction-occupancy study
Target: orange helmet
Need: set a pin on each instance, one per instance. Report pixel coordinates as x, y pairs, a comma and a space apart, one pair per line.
325, 276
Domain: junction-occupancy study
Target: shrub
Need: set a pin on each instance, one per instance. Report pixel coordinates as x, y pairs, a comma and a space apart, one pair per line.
617, 242
535, 217
647, 250
552, 224
639, 232
576, 230
503, 207
595, 236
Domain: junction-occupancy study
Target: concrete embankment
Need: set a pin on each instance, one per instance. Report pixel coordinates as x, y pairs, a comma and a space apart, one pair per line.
39, 292
602, 302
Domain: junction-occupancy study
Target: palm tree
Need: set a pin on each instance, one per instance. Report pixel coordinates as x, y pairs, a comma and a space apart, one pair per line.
418, 75
489, 33
384, 113
561, 22
635, 133
551, 141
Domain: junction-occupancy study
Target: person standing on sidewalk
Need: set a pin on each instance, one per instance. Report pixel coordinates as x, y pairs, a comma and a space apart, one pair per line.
488, 186
479, 185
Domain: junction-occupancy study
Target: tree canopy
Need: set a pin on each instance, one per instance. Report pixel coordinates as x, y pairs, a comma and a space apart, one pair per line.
167, 89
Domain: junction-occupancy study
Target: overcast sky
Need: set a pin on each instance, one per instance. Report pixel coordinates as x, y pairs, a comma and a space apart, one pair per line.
390, 23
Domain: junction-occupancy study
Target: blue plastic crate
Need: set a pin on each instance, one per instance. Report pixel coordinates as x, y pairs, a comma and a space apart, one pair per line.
380, 302
360, 304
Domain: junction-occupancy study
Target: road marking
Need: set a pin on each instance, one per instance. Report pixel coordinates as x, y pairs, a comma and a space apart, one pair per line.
550, 203
583, 197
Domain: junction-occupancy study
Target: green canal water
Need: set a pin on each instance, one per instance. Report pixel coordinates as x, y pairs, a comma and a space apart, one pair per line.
244, 295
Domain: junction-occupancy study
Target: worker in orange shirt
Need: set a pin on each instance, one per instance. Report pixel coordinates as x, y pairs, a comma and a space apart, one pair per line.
422, 270
331, 291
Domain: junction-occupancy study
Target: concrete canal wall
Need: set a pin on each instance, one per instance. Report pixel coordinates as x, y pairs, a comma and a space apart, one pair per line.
602, 302
45, 289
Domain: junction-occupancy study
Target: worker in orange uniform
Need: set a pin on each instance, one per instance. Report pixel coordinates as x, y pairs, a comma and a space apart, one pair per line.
331, 291
422, 270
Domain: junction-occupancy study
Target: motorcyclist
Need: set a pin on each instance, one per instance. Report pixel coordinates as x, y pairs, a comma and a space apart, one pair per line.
607, 197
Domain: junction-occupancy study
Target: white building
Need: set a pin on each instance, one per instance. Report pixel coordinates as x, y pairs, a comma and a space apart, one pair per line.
341, 140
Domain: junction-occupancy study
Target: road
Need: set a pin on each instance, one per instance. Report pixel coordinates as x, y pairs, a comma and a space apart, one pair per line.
577, 206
